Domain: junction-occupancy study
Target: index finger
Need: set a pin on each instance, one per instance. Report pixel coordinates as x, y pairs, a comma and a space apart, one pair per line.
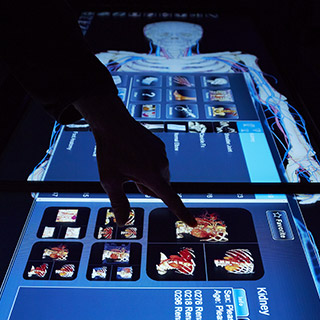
165, 192
119, 201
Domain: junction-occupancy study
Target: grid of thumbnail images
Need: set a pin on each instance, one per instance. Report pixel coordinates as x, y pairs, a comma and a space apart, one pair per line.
116, 260
108, 260
179, 97
203, 103
53, 261
216, 249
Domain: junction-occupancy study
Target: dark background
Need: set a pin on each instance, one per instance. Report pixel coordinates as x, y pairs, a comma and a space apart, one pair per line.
289, 31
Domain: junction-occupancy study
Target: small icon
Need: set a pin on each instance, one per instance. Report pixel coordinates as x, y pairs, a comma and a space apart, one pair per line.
146, 95
182, 111
185, 111
149, 94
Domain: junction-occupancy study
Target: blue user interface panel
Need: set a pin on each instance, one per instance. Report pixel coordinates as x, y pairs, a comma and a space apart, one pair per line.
209, 123
73, 261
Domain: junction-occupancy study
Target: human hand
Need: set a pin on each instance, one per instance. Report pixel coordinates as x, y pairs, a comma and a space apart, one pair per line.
128, 151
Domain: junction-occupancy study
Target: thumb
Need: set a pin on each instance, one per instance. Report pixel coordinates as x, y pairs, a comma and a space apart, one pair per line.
119, 202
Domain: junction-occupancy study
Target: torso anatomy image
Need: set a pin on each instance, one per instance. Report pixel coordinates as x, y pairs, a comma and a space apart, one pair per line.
175, 48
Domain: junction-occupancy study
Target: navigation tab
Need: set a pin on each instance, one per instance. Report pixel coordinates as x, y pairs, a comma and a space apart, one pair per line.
240, 301
279, 225
250, 127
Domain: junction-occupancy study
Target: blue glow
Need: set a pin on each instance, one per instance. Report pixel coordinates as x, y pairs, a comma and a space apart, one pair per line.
311, 251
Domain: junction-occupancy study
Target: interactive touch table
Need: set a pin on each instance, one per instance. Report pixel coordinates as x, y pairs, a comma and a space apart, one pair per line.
249, 258
248, 262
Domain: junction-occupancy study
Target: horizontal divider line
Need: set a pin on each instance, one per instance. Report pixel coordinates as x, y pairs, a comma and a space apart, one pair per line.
179, 187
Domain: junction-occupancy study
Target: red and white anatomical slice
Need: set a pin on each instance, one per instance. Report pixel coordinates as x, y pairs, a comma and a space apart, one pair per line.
238, 261
56, 253
209, 228
38, 271
66, 271
182, 263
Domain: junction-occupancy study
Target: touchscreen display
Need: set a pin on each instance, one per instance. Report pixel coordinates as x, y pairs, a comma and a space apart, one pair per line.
73, 261
249, 257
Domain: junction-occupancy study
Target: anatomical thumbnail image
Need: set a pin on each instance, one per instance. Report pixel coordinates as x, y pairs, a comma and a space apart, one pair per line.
182, 111
215, 225
182, 262
237, 261
114, 261
147, 80
181, 81
116, 253
175, 262
182, 95
234, 262
218, 95
221, 111
210, 228
145, 111
215, 81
